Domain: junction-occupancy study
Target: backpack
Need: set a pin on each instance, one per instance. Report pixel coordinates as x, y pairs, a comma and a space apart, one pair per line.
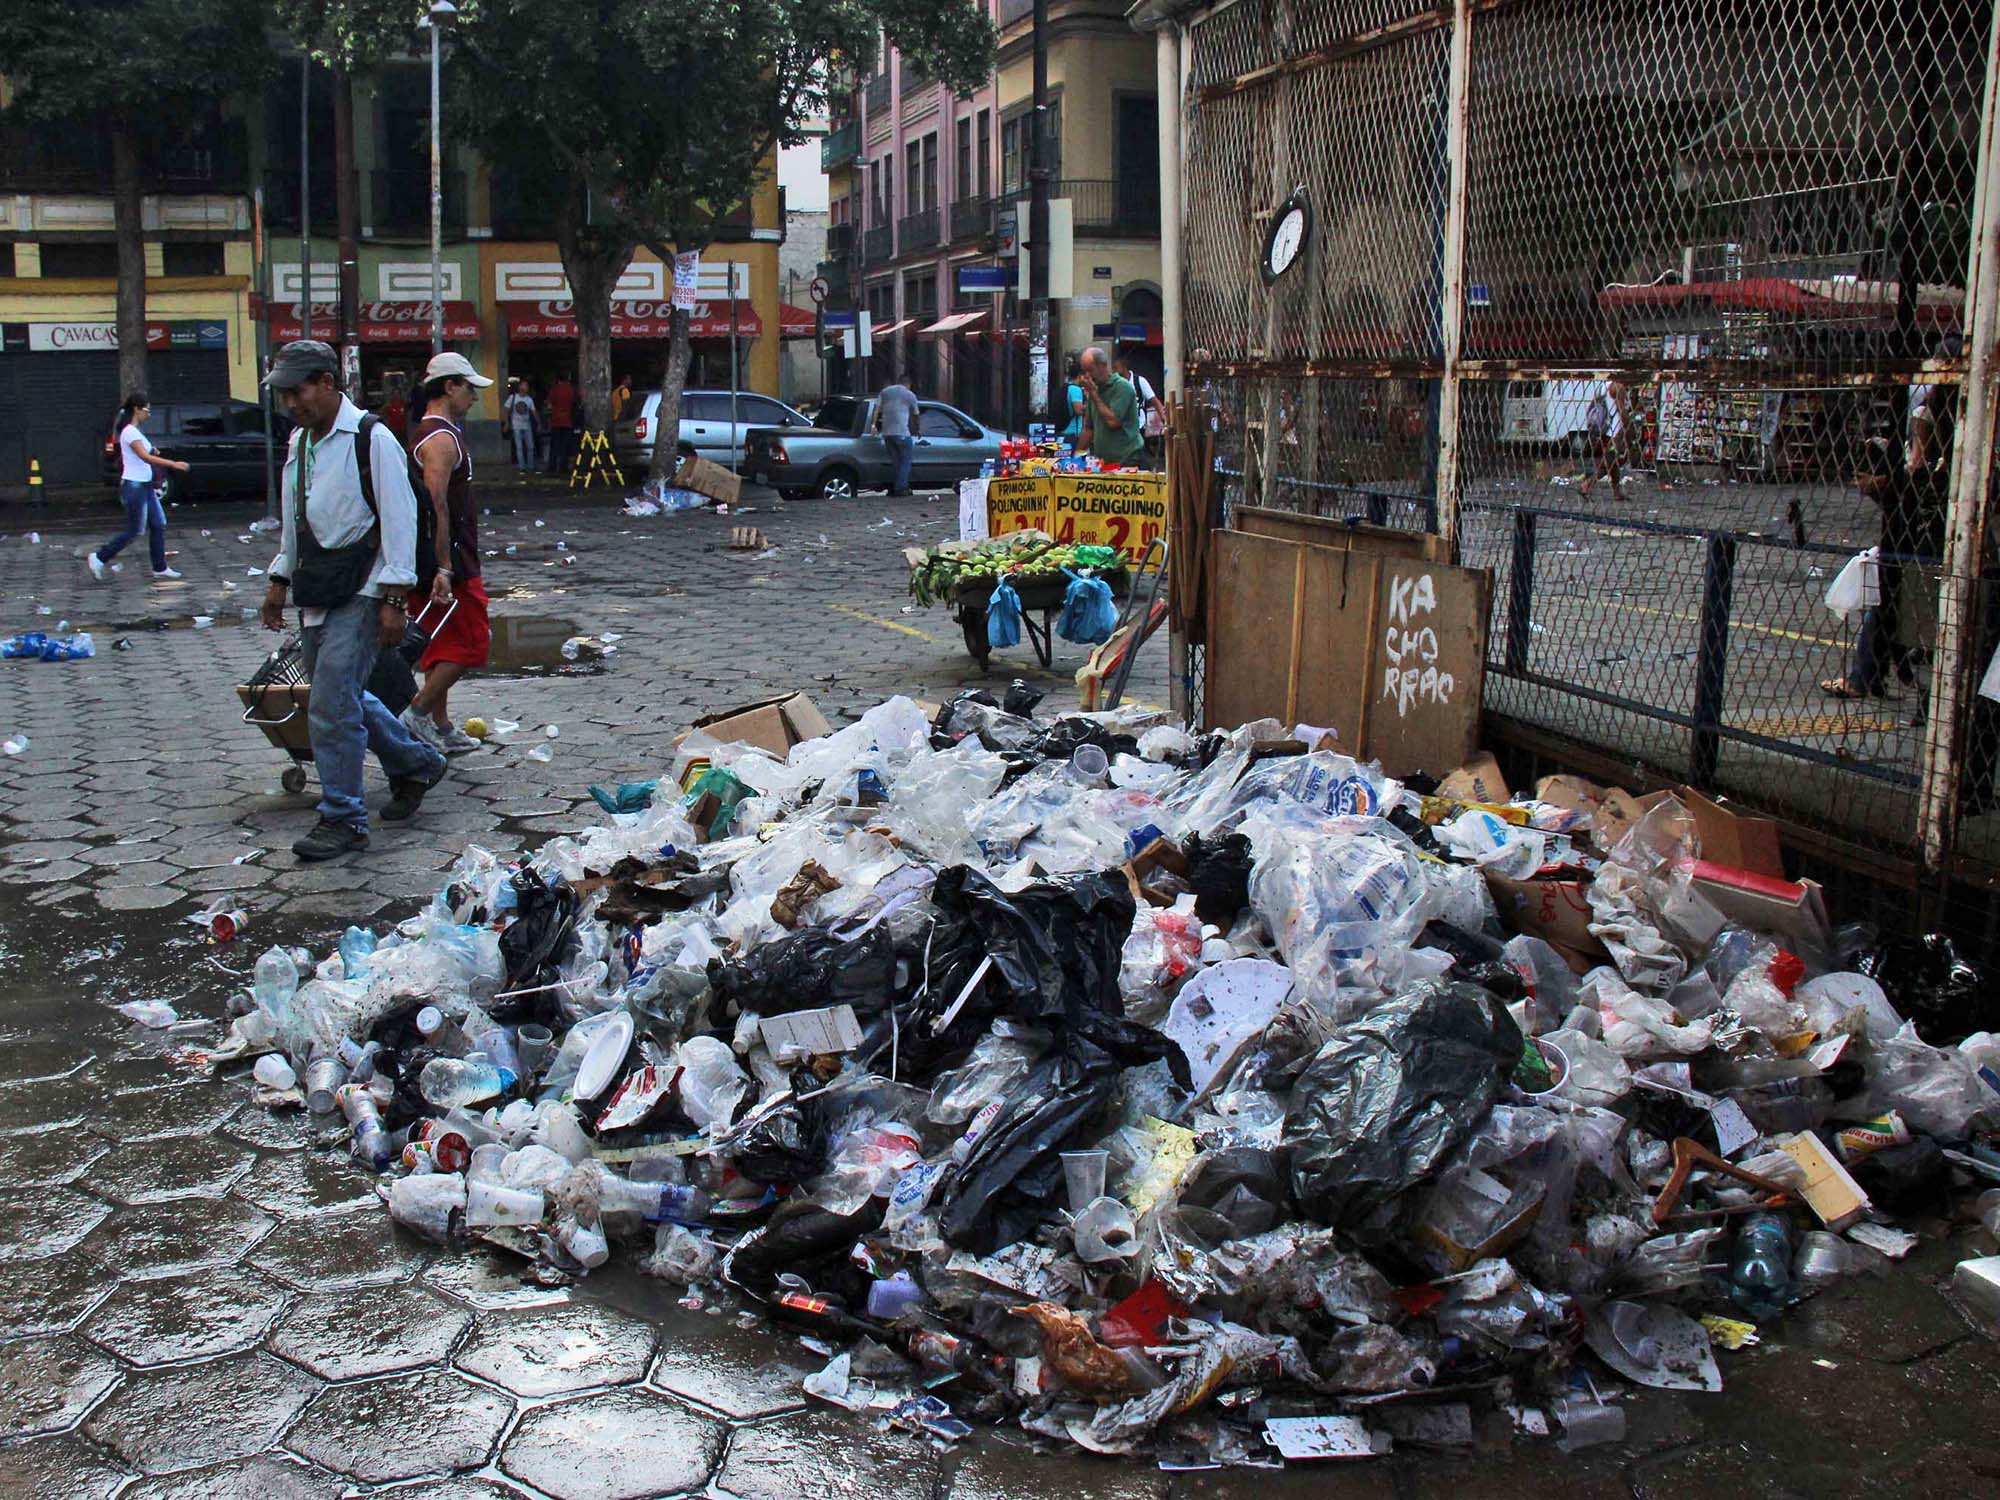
427, 559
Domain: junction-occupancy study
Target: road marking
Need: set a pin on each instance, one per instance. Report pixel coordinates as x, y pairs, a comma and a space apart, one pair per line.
868, 619
1693, 619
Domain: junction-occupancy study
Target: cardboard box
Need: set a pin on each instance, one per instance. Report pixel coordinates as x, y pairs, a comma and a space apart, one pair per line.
773, 724
1732, 838
1478, 780
709, 479
1794, 910
1618, 812
1555, 908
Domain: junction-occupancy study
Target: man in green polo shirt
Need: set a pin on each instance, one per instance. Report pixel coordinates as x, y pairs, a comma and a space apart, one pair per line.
1113, 427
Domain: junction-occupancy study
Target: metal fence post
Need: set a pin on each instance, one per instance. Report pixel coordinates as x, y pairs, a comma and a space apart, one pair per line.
1711, 662
1952, 666
1452, 286
1521, 592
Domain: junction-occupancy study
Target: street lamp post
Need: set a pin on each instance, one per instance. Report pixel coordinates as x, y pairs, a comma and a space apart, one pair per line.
442, 13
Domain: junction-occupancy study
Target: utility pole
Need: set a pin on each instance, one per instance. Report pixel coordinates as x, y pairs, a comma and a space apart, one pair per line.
348, 214
305, 194
1038, 227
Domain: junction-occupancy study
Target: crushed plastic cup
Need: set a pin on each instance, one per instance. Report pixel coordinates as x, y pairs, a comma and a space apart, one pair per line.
15, 744
542, 753
1083, 1174
1089, 765
154, 1013
488, 1203
426, 1203
534, 1044
1105, 1231
274, 1072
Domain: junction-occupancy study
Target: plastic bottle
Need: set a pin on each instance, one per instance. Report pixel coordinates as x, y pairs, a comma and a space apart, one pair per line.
496, 1041
276, 980
1760, 1272
449, 1081
359, 1058
442, 1033
372, 1143
357, 945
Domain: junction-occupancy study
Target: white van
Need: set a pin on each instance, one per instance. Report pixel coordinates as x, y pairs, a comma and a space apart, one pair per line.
1548, 413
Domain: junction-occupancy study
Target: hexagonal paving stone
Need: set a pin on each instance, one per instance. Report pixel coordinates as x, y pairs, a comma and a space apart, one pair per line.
198, 1167
178, 1419
345, 1335
48, 1104
185, 1318
159, 1114
381, 1430
262, 1478
994, 1468
488, 1280
551, 1351
52, 1159
47, 1221
47, 1385
340, 1250
619, 1445
731, 1370
828, 1456
460, 1488
59, 1466
36, 1058
171, 1239
270, 1129
49, 1296
307, 1184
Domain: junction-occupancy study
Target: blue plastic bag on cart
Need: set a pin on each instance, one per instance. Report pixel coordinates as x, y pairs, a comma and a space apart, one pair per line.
1088, 615
1003, 617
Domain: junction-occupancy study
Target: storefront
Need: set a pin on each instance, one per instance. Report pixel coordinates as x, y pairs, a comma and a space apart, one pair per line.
395, 343
541, 340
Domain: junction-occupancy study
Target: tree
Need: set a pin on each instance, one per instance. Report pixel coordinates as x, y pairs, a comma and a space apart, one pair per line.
128, 69
664, 116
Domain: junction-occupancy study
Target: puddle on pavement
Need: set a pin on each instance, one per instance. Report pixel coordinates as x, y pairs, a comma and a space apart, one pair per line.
531, 646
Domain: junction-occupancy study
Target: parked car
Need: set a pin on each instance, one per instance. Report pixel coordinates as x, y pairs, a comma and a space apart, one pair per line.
222, 440
705, 425
839, 455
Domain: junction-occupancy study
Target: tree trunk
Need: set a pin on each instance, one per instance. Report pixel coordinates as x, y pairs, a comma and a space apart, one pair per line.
667, 421
127, 220
593, 260
347, 211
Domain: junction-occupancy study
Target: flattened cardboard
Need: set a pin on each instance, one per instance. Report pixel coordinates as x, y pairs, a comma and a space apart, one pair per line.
1794, 910
1478, 780
773, 724
1731, 838
1555, 908
1829, 1191
710, 479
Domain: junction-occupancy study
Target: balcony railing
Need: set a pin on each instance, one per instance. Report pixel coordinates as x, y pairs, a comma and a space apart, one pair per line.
1103, 206
840, 242
281, 200
878, 94
839, 147
399, 202
972, 219
878, 245
76, 162
918, 231
913, 81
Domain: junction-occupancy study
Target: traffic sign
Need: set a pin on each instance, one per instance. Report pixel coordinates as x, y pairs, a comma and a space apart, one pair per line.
838, 318
819, 289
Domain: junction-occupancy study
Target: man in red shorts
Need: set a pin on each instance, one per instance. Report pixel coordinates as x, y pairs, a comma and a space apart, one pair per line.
464, 638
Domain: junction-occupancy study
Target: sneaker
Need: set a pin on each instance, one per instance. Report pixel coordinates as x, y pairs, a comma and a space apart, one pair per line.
422, 729
409, 795
96, 566
458, 742
165, 575
329, 839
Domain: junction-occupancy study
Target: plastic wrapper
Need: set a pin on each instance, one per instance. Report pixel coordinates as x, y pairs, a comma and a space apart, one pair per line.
1088, 614
1938, 1090
1393, 1093
1003, 617
998, 1061
1641, 1026
710, 1086
937, 791
1164, 948
534, 944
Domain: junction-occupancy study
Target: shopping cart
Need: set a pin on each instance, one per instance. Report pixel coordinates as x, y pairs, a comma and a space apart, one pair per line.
277, 696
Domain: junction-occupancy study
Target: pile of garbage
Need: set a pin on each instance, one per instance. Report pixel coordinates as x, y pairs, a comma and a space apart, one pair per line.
1183, 1095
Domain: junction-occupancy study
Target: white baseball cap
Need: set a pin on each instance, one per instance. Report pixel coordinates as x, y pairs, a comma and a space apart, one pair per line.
443, 365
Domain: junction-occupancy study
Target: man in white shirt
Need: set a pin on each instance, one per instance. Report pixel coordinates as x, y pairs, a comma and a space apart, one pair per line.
348, 565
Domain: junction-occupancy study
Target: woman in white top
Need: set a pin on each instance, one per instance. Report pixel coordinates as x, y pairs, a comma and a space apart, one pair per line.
138, 466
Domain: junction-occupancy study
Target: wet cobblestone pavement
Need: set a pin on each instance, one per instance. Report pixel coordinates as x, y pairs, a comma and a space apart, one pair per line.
198, 1299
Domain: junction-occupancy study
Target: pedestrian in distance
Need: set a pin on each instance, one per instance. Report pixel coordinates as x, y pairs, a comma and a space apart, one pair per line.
1152, 415
519, 409
347, 557
1606, 421
621, 396
1073, 398
462, 638
895, 419
1113, 430
140, 472
562, 425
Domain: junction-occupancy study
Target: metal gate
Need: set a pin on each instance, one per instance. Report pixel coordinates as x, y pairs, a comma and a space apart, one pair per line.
58, 407
1732, 264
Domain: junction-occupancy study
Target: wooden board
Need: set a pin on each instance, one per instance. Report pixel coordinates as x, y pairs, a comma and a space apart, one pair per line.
1328, 531
1389, 651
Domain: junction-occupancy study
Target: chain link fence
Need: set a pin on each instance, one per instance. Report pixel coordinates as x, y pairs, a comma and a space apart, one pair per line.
1689, 329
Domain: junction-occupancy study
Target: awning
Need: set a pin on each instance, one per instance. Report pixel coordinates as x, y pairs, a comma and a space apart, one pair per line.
1770, 294
796, 322
888, 328
555, 321
381, 322
960, 322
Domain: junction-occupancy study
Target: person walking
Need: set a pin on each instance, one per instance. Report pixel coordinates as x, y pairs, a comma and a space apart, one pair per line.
1605, 420
347, 557
562, 424
621, 395
1073, 398
519, 408
1112, 427
1152, 415
462, 637
895, 419
139, 471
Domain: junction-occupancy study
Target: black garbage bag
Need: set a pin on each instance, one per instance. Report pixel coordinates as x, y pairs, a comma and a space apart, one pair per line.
1905, 1179
1021, 699
1241, 1186
1929, 983
789, 1144
541, 936
977, 713
1012, 1180
1219, 876
1061, 740
1388, 1098
806, 970
807, 1241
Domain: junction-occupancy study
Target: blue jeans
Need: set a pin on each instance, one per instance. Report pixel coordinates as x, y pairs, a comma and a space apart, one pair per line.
346, 720
899, 451
143, 512
524, 447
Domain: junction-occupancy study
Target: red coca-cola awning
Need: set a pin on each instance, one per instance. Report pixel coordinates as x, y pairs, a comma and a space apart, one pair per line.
796, 322
381, 322
555, 322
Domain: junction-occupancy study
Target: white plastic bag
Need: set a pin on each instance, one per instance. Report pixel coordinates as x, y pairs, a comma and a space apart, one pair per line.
1857, 586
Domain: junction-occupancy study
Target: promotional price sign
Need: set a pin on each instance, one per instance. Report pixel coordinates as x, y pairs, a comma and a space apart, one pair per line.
1017, 505
1125, 511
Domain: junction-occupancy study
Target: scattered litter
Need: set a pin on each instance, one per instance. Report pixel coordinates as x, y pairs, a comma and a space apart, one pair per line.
156, 1014
15, 744
33, 645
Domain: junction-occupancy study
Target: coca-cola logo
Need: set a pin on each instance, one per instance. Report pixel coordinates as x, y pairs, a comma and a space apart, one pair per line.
378, 312
624, 312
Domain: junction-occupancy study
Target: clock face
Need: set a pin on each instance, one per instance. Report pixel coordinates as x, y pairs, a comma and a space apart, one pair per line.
1287, 240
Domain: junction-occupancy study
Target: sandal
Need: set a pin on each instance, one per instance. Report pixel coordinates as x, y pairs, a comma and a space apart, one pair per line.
1836, 687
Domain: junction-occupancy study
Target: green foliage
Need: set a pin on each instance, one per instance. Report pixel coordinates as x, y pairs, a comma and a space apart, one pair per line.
352, 34
134, 64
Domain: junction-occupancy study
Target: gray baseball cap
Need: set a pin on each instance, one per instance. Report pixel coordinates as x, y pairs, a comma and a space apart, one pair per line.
300, 360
